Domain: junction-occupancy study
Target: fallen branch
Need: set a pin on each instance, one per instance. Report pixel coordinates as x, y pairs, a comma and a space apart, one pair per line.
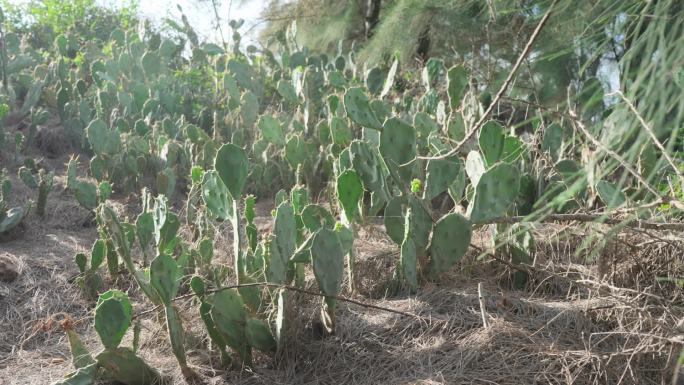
596, 218
295, 289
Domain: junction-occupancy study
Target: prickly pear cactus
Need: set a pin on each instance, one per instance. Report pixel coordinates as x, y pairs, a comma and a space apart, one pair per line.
164, 275
474, 167
327, 255
358, 109
367, 164
495, 193
450, 241
259, 335
315, 216
610, 194
349, 192
103, 140
285, 230
271, 130
375, 79
340, 131
229, 316
394, 219
441, 173
86, 194
552, 141
232, 165
457, 81
216, 197
398, 147
11, 218
491, 142
113, 315
124, 366
250, 227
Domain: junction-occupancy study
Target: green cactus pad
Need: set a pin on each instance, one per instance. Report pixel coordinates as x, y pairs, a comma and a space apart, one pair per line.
340, 131
398, 146
164, 274
86, 194
474, 167
441, 173
408, 256
232, 165
610, 194
296, 150
491, 141
394, 219
112, 317
328, 261
349, 192
259, 335
358, 109
552, 142
12, 218
450, 241
315, 216
97, 254
228, 314
285, 230
124, 366
367, 164
457, 81
216, 196
495, 192
271, 130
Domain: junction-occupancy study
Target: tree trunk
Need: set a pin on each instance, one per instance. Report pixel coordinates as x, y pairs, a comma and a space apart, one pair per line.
372, 16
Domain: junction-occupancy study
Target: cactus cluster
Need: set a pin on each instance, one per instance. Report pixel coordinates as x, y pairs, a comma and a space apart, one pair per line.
336, 142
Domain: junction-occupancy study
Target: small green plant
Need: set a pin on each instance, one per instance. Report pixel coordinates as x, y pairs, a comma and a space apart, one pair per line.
113, 316
9, 217
43, 183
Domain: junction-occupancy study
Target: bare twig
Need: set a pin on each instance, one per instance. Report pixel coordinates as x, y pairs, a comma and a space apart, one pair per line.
483, 310
502, 90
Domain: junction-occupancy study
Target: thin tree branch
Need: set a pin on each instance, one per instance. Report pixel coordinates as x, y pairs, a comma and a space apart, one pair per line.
612, 153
